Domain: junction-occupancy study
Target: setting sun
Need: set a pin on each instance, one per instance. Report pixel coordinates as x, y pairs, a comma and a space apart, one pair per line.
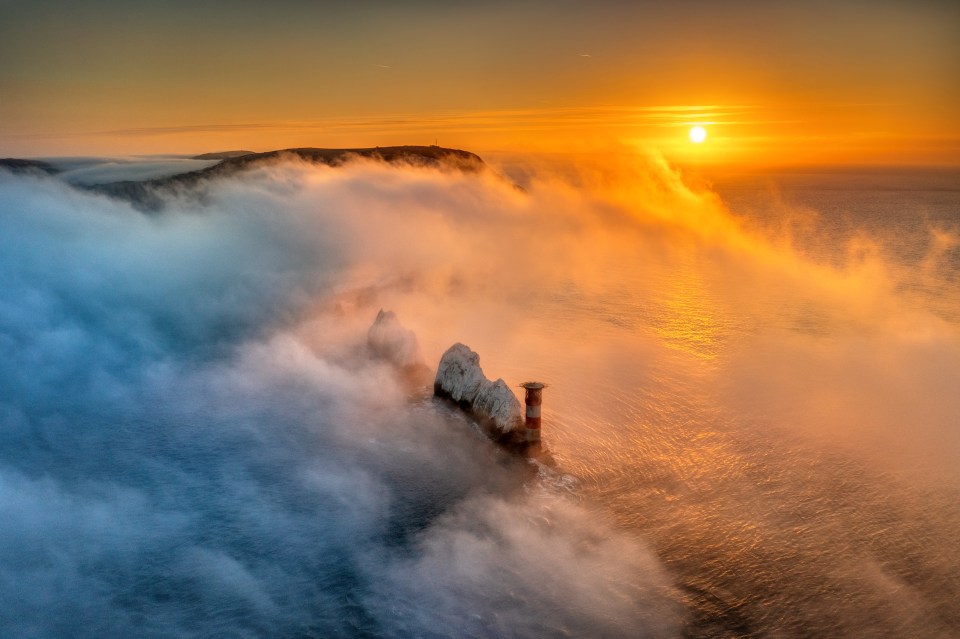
251, 263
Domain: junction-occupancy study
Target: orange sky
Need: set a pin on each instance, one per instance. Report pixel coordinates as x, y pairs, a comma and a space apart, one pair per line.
774, 82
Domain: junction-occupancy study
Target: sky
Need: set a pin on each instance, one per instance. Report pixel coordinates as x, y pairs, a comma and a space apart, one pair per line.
752, 388
835, 82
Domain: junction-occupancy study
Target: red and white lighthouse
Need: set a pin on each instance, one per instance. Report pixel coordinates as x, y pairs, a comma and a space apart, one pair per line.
533, 399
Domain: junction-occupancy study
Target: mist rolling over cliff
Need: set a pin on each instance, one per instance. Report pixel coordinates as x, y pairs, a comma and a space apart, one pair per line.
290, 291
751, 438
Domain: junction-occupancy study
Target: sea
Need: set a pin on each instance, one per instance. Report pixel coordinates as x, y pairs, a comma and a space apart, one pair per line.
793, 460
751, 424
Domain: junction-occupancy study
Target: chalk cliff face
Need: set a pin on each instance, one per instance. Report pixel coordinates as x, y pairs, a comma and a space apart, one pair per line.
460, 378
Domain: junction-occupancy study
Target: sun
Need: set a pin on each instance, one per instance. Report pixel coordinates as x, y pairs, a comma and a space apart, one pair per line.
698, 134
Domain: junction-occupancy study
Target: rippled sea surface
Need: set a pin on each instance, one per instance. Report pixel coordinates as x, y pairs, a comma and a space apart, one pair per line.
771, 526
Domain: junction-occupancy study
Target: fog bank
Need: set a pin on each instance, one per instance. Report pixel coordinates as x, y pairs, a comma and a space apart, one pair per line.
196, 439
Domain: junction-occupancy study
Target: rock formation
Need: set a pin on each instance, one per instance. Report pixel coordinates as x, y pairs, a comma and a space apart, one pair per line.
388, 340
492, 403
391, 341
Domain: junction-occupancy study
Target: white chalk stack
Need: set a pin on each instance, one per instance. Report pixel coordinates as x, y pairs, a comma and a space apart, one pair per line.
460, 378
389, 340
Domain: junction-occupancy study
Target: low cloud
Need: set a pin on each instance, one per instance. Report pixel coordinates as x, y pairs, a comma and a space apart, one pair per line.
187, 452
196, 441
